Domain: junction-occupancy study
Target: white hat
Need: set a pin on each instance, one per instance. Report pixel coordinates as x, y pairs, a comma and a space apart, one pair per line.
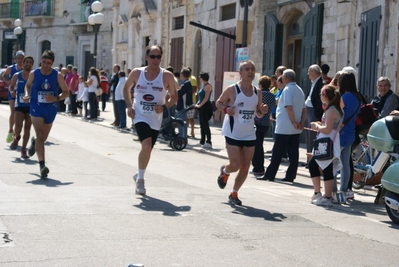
19, 53
349, 69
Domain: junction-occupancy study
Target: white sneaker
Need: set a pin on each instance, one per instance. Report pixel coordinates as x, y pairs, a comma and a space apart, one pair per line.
140, 187
349, 194
207, 146
315, 197
339, 197
323, 201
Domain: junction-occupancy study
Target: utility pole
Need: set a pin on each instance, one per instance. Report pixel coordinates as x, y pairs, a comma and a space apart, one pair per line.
245, 4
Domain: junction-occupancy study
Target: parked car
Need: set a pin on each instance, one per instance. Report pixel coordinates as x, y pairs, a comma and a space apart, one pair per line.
3, 87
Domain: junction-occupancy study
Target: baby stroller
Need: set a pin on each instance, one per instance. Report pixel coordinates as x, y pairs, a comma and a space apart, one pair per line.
169, 126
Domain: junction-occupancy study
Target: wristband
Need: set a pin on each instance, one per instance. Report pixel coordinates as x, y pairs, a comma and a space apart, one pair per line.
225, 109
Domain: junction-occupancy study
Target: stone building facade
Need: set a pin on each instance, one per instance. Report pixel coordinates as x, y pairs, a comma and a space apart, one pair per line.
294, 33
57, 25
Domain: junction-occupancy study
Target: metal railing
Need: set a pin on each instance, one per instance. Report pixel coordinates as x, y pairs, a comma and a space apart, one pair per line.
39, 8
11, 11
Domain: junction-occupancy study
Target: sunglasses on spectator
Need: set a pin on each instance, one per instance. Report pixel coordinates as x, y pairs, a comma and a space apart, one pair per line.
155, 56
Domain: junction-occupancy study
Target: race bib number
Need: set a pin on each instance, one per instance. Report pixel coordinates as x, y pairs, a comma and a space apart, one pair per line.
41, 96
246, 116
21, 98
147, 107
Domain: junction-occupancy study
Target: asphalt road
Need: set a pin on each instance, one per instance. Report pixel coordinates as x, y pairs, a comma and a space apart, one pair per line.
86, 212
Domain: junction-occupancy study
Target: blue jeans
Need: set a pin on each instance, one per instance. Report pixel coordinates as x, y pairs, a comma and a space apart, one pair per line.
183, 129
122, 112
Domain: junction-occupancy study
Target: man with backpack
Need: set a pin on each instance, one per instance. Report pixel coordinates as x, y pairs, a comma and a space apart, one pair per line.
386, 100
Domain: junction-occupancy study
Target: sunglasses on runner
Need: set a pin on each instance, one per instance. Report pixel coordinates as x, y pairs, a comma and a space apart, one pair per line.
155, 56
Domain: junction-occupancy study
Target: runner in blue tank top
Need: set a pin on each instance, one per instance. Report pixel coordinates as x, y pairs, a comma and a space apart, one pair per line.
8, 74
17, 86
42, 91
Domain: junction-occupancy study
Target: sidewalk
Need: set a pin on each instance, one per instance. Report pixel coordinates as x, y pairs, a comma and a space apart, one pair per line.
218, 142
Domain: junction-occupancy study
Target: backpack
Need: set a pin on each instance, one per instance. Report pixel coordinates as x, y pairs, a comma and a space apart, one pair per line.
365, 119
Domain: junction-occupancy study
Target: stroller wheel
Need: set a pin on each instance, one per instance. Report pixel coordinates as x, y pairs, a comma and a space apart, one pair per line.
178, 143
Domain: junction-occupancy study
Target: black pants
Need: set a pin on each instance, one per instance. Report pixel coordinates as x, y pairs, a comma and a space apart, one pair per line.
315, 171
258, 159
93, 106
104, 101
116, 111
283, 143
74, 108
205, 114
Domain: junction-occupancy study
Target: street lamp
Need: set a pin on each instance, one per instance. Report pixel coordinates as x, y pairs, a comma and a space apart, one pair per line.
18, 31
95, 20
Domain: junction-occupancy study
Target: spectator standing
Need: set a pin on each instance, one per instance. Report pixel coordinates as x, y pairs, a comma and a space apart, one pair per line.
314, 109
184, 100
324, 71
205, 109
327, 127
73, 90
262, 126
104, 87
93, 83
112, 85
290, 118
386, 100
191, 113
120, 101
350, 103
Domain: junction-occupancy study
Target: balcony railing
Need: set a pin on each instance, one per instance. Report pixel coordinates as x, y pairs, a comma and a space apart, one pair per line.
11, 11
39, 8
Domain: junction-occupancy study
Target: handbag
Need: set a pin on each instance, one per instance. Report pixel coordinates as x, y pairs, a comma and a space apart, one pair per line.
98, 91
323, 147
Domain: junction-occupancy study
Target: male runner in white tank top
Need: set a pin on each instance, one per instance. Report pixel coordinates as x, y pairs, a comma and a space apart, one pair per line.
240, 102
151, 86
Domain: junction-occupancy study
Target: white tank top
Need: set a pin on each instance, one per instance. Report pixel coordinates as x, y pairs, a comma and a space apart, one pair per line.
146, 95
241, 125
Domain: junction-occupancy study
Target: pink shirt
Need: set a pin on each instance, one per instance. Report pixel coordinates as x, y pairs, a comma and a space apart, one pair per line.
73, 84
68, 78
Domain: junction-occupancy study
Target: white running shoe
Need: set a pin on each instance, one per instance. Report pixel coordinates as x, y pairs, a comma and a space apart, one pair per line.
323, 201
349, 194
140, 187
315, 197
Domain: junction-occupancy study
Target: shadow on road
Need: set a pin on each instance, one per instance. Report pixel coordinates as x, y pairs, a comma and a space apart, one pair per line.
47, 182
254, 212
25, 161
153, 204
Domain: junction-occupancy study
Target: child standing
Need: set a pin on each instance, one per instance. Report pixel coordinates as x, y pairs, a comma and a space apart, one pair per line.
83, 95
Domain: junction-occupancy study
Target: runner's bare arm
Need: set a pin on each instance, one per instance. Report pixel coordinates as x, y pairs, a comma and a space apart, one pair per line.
226, 99
12, 85
28, 86
130, 82
6, 74
171, 85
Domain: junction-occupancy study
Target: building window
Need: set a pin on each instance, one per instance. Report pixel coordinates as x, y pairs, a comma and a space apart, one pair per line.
178, 23
228, 12
46, 45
